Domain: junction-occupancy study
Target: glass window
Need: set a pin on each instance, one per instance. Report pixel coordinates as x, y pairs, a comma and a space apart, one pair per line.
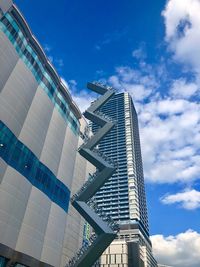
3, 261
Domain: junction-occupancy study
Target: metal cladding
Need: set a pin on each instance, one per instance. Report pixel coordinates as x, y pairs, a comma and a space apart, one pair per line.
105, 228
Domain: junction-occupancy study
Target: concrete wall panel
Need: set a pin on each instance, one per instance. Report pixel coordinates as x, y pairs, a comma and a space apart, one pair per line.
14, 192
8, 59
3, 167
33, 228
52, 248
16, 97
67, 160
54, 140
37, 121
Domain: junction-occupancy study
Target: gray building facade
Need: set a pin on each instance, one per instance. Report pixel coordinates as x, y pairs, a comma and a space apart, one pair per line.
40, 131
123, 196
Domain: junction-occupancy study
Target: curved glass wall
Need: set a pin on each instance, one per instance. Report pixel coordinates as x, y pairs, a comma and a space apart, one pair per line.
3, 262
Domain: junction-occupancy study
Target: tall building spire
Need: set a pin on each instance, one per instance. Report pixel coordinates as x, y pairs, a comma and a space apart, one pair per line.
123, 196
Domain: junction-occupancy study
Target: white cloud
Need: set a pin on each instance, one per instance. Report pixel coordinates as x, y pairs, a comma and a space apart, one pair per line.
189, 199
139, 53
182, 23
182, 89
83, 99
138, 91
170, 134
139, 84
182, 250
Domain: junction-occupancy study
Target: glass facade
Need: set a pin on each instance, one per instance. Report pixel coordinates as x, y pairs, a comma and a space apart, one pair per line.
19, 156
123, 196
25, 51
113, 196
3, 262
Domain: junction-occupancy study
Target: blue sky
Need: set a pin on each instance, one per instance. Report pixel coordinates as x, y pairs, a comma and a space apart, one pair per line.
152, 50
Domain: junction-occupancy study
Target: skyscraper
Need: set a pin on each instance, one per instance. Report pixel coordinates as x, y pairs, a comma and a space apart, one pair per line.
123, 196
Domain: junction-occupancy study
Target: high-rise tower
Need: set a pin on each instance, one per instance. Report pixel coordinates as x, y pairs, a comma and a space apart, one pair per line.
123, 196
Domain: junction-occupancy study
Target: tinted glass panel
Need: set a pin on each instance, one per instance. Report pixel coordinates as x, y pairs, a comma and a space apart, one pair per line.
17, 155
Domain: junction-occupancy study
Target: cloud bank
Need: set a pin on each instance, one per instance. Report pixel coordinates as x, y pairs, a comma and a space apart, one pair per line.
182, 23
181, 250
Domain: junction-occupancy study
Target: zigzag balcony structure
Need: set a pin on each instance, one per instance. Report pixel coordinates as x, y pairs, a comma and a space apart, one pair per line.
105, 229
